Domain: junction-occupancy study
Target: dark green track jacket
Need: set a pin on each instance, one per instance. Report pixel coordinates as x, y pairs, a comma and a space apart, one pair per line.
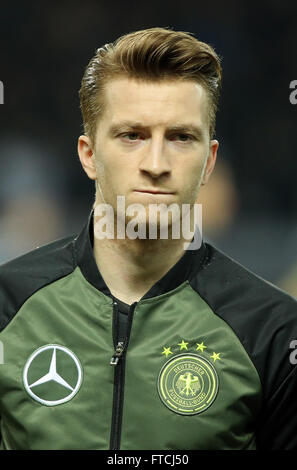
206, 363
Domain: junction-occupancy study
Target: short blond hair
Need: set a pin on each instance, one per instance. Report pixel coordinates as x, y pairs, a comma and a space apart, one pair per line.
151, 54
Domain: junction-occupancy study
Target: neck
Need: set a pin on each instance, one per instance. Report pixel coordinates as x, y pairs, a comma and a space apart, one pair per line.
131, 267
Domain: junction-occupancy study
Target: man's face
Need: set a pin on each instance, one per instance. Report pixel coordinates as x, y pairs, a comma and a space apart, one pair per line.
152, 143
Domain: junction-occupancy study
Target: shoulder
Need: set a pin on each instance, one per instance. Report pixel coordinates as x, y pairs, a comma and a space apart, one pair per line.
263, 317
24, 275
221, 277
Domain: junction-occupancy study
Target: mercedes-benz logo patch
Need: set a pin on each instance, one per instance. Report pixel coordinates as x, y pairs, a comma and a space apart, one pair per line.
52, 375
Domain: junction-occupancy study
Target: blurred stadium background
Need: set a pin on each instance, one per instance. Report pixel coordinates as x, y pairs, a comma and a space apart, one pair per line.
250, 204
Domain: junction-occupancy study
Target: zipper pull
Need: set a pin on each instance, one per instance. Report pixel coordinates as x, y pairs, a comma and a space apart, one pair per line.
117, 354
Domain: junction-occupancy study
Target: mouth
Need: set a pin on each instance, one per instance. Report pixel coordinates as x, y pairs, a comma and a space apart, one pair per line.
152, 191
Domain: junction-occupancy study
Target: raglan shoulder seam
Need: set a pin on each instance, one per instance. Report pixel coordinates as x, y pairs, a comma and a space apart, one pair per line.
235, 334
14, 306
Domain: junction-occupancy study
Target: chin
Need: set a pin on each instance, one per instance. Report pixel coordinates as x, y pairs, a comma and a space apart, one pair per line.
152, 230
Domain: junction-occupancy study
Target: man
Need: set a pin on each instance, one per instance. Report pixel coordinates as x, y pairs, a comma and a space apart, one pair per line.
124, 342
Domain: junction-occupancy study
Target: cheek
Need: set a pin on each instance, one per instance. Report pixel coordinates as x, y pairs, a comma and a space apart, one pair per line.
190, 174
105, 167
100, 168
190, 181
112, 175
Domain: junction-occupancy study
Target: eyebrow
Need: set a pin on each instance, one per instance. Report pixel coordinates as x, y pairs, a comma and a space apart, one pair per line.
123, 125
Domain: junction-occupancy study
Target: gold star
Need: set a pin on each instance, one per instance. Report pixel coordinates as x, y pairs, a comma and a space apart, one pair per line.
167, 351
200, 346
215, 356
183, 345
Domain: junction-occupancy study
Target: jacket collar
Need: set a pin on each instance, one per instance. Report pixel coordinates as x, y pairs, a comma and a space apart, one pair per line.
189, 264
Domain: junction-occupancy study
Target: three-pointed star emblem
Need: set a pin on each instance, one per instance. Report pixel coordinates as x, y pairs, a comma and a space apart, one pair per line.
52, 375
68, 375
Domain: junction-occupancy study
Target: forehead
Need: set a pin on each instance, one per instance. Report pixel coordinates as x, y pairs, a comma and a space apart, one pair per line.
152, 103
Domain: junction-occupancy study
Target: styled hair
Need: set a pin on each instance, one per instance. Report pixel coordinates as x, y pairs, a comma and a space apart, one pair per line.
153, 54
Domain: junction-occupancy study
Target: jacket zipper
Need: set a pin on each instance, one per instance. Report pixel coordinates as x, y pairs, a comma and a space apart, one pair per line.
118, 362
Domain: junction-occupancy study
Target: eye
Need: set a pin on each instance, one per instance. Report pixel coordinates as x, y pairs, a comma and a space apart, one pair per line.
183, 137
131, 136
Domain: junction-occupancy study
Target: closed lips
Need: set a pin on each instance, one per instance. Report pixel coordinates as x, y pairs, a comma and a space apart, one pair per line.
151, 191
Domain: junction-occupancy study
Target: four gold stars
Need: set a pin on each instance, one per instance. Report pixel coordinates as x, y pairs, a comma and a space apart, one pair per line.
215, 356
183, 345
167, 351
200, 347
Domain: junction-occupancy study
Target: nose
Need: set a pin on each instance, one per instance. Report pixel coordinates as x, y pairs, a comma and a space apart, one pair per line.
155, 162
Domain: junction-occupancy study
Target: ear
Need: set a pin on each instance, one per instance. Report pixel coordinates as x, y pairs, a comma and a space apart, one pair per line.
211, 161
87, 156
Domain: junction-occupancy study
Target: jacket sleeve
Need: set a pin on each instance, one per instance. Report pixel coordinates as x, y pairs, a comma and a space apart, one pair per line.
278, 424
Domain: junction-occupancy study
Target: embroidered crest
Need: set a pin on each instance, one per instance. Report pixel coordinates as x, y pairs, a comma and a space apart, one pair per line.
188, 384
